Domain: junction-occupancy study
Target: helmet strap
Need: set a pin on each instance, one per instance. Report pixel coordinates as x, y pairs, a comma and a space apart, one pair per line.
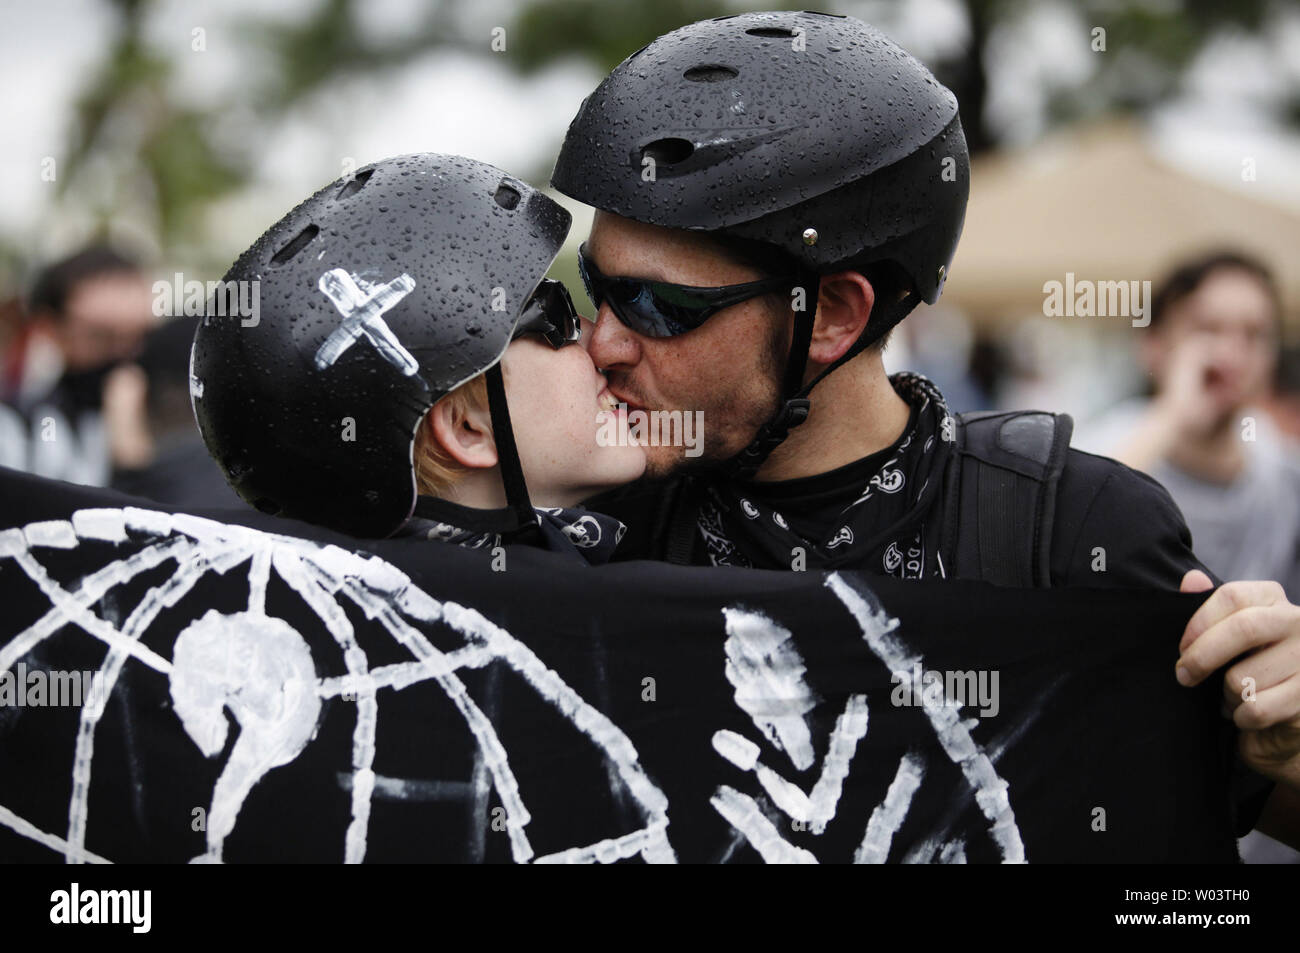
797, 362
880, 324
512, 471
796, 404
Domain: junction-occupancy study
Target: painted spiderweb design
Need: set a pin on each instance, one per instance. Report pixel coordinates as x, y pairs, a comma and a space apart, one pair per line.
246, 665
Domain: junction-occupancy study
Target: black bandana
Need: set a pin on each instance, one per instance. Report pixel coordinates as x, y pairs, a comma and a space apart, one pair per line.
592, 536
882, 530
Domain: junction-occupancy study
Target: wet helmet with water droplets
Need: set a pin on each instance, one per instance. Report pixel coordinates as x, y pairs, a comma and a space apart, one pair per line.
378, 296
812, 133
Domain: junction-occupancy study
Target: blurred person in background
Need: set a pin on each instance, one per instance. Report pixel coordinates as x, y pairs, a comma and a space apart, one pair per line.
19, 364
1284, 403
1211, 351
938, 343
95, 307
159, 452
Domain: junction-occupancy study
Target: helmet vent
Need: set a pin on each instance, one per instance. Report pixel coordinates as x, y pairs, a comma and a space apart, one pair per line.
354, 184
507, 196
772, 32
710, 74
668, 151
295, 245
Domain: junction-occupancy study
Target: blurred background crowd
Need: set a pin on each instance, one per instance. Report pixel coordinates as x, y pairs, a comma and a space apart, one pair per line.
1154, 143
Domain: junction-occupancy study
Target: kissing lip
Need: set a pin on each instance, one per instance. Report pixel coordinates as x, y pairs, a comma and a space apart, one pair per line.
630, 404
606, 396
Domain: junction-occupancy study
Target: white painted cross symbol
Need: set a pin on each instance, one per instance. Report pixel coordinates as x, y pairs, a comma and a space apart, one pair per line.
362, 306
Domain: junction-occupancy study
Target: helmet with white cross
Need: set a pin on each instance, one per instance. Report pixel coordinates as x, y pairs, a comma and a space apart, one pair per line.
376, 297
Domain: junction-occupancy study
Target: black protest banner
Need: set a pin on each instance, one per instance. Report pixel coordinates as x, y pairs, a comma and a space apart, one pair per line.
252, 689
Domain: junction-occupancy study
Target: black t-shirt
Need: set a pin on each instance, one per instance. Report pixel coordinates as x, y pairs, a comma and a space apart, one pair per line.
1103, 504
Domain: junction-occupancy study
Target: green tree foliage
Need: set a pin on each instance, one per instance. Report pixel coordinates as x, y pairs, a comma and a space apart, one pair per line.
598, 31
164, 157
150, 148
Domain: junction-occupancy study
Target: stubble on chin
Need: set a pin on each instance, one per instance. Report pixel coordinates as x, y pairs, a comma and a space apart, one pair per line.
728, 428
731, 422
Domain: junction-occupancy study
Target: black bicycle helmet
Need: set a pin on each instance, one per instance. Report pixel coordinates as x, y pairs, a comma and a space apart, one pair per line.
379, 295
813, 133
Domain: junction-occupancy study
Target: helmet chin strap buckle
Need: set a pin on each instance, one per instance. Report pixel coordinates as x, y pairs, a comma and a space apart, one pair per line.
795, 412
746, 463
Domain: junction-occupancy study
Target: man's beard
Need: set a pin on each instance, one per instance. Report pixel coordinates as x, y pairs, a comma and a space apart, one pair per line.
743, 416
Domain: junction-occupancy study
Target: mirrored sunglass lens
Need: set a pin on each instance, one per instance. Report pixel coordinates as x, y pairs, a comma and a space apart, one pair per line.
559, 320
566, 330
562, 314
642, 316
658, 310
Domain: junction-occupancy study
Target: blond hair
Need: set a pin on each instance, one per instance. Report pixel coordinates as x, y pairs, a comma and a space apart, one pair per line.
435, 469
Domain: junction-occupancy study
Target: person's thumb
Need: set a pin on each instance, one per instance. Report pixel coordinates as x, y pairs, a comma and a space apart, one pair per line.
1195, 581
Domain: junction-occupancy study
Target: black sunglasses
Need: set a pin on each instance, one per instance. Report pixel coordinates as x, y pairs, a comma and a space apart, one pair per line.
550, 313
659, 309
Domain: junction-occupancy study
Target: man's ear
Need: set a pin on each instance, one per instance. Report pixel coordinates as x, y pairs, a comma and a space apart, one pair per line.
464, 432
843, 307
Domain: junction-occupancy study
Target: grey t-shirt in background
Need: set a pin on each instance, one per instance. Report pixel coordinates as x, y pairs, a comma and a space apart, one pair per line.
1246, 529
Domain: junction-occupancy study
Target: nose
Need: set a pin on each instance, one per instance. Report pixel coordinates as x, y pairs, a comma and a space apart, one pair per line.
1224, 351
612, 343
